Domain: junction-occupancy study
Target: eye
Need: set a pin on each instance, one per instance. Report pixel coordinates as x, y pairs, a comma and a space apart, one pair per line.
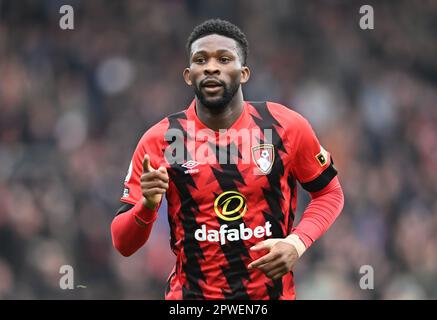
224, 59
199, 60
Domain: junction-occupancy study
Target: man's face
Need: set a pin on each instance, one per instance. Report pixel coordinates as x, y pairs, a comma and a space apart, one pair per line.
215, 71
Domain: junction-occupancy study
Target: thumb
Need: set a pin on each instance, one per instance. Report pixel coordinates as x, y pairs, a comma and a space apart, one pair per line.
146, 164
266, 244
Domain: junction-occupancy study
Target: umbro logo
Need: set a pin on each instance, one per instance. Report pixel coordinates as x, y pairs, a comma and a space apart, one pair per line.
190, 165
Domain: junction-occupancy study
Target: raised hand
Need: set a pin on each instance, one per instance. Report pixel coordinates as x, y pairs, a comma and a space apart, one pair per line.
154, 183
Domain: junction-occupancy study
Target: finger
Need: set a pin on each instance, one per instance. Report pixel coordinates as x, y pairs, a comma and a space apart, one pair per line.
146, 164
263, 260
272, 265
154, 184
153, 192
163, 173
274, 272
154, 175
163, 170
266, 244
278, 275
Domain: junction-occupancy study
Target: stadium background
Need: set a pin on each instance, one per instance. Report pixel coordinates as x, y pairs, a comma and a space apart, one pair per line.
73, 105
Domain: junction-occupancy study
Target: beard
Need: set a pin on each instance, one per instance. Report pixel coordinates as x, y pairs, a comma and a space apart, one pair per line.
217, 104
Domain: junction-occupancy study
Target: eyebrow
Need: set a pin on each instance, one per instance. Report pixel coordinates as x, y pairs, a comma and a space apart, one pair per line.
217, 51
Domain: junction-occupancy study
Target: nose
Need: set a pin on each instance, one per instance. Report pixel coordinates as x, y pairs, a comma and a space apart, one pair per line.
211, 68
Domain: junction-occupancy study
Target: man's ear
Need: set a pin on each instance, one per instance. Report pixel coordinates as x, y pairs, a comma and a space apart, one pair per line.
186, 75
245, 74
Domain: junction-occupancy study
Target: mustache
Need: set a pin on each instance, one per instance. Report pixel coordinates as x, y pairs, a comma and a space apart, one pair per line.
202, 83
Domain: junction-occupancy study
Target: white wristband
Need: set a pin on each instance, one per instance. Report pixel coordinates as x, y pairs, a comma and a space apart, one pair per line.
294, 240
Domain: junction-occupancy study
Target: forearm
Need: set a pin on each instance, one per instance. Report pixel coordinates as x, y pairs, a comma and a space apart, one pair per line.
324, 208
131, 229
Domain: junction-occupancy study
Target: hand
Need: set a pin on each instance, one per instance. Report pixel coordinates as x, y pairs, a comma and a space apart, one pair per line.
279, 261
154, 183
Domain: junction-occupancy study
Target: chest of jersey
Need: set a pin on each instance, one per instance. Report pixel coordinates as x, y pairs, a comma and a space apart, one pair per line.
231, 191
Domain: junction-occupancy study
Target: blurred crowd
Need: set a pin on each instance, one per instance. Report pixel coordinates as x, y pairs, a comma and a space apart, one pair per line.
73, 104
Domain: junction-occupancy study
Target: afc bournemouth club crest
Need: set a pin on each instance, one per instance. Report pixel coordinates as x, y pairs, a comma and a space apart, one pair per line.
264, 156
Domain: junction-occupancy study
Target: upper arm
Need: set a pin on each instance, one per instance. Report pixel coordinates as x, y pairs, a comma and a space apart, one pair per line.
312, 165
150, 143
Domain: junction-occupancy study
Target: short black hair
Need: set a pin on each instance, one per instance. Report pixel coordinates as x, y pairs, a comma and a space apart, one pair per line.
223, 28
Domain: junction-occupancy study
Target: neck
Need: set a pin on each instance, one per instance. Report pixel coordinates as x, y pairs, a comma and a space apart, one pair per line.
225, 117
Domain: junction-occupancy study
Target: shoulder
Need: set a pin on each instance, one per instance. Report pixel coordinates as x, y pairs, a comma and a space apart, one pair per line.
157, 132
286, 117
290, 124
294, 127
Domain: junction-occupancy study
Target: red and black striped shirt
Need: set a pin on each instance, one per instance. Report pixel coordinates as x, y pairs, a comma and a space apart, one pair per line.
229, 190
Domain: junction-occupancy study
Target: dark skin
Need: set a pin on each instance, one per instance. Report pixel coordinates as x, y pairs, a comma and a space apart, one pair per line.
218, 59
280, 259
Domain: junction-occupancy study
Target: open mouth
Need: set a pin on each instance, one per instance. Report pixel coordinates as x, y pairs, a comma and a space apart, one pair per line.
212, 89
211, 86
